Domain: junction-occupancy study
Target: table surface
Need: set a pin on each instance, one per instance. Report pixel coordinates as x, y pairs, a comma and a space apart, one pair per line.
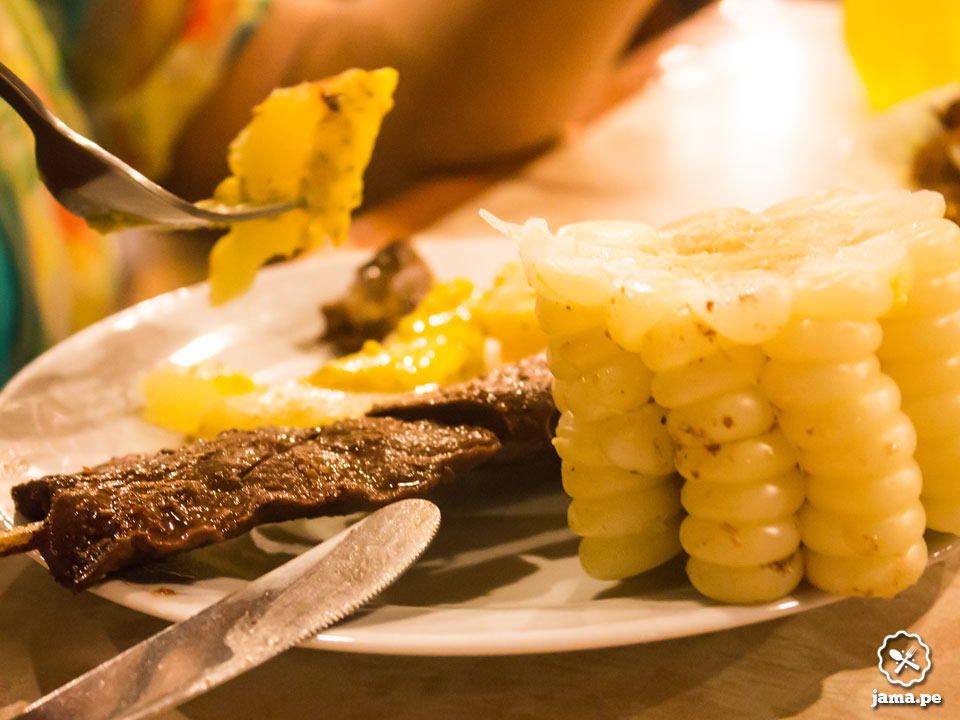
748, 102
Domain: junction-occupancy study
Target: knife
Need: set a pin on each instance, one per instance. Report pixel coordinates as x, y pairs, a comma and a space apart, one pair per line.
265, 617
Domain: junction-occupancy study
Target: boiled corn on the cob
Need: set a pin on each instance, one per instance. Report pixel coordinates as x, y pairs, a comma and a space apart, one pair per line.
761, 358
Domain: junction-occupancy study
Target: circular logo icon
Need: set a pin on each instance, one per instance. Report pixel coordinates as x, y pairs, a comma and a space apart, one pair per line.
905, 659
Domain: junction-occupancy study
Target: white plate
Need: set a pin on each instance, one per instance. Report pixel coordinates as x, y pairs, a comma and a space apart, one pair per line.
502, 577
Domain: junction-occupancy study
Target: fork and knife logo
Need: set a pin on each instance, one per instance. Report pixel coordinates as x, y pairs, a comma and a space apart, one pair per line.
904, 659
900, 651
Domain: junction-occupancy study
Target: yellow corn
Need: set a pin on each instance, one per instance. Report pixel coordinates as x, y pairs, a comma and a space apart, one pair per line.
773, 347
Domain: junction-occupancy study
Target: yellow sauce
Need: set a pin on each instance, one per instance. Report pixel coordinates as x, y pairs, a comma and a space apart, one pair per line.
454, 334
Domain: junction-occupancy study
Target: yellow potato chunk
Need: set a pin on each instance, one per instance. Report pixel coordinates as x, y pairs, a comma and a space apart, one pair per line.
238, 255
269, 157
204, 400
292, 404
506, 313
308, 144
178, 398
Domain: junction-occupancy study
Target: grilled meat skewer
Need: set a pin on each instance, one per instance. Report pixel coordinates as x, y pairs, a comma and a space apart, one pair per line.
138, 508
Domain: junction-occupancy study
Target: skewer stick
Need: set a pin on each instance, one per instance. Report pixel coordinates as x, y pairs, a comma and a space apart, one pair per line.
19, 538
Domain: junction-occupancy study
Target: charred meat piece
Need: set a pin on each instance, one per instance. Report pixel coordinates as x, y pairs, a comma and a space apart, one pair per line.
385, 289
227, 456
514, 401
936, 165
93, 528
138, 508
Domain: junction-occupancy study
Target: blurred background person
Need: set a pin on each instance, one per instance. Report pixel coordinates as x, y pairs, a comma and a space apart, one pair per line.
165, 85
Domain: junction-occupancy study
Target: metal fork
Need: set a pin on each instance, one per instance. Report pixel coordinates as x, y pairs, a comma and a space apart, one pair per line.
99, 187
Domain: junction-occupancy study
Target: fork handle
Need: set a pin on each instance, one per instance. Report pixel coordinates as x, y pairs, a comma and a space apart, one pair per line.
24, 101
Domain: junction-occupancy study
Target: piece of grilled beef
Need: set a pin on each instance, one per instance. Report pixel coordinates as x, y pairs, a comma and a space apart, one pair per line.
138, 508
229, 455
94, 528
514, 401
387, 287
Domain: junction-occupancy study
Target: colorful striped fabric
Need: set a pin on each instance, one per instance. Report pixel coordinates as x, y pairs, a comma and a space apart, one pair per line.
142, 67
55, 273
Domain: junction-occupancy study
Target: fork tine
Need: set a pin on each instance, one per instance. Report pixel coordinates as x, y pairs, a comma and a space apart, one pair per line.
96, 185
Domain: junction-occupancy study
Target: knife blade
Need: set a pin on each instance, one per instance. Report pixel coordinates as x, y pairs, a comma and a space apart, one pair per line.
253, 624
